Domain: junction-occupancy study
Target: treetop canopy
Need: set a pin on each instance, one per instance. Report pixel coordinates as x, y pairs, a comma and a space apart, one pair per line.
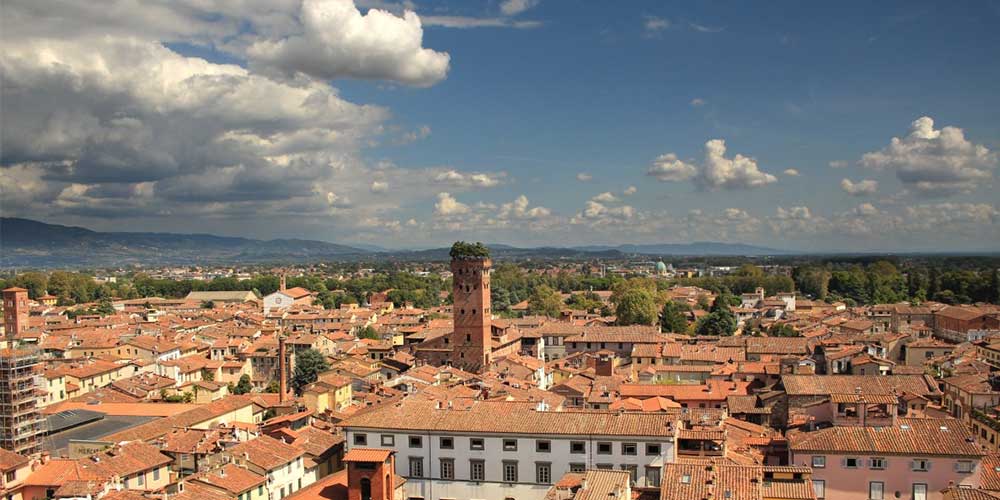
469, 251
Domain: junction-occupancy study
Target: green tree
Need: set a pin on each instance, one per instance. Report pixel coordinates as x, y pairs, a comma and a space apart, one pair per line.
309, 363
369, 332
207, 304
672, 318
463, 250
545, 301
782, 330
636, 307
720, 320
105, 307
587, 301
703, 303
35, 282
243, 386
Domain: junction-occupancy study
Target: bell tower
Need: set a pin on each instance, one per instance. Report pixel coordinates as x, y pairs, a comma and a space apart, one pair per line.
471, 339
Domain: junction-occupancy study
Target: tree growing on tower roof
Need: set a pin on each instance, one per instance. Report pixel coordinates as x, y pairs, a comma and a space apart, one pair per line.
461, 250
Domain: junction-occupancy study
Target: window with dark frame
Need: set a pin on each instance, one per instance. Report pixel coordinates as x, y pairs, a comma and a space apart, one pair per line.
509, 471
543, 473
447, 468
477, 470
416, 467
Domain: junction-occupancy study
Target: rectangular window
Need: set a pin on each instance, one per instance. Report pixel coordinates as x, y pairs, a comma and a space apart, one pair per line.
577, 467
603, 448
509, 471
630, 449
140, 479
447, 468
477, 470
416, 467
156, 474
476, 444
388, 440
577, 447
447, 443
963, 466
875, 490
509, 445
652, 476
543, 446
851, 462
633, 472
919, 491
543, 473
605, 466
819, 488
652, 449
818, 462
361, 440
416, 442
877, 463
920, 465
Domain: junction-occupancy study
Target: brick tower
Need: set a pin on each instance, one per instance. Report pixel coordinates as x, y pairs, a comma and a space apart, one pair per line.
471, 339
15, 312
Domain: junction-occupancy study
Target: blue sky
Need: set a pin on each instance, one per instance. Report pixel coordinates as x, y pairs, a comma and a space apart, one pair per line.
585, 122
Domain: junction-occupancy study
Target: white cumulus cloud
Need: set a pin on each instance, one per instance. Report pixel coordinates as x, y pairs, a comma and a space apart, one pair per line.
716, 171
933, 161
468, 179
864, 187
337, 41
669, 168
447, 206
515, 7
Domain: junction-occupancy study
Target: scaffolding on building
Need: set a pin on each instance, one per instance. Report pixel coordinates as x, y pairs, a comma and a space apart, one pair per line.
22, 425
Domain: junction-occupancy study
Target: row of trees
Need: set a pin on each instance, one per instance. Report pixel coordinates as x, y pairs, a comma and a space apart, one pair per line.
883, 282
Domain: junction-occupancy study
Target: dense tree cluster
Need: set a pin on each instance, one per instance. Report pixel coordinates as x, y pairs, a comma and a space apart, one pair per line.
883, 282
720, 319
462, 250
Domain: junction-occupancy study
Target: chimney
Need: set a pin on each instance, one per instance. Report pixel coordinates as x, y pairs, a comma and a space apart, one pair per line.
283, 372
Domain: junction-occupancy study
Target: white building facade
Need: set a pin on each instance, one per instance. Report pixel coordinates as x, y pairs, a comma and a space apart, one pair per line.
512, 450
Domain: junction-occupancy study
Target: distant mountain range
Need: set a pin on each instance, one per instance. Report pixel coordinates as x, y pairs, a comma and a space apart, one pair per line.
29, 243
695, 248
